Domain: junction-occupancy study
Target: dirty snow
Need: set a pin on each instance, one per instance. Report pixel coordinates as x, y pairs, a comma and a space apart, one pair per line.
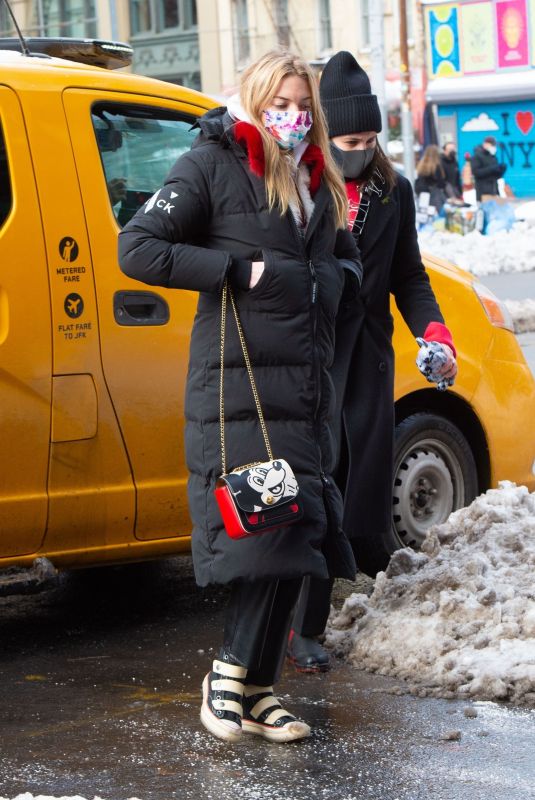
457, 618
523, 314
505, 251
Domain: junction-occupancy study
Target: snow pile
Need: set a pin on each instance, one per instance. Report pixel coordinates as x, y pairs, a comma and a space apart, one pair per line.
457, 618
523, 314
505, 251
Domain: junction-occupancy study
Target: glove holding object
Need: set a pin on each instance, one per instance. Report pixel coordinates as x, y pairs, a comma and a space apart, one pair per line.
437, 362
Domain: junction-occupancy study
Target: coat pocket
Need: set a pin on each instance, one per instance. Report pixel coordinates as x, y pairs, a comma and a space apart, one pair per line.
265, 277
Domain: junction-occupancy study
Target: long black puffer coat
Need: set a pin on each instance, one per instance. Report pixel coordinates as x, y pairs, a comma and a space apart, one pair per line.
212, 212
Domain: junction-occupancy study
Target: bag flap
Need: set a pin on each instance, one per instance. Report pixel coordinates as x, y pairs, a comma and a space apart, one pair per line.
262, 486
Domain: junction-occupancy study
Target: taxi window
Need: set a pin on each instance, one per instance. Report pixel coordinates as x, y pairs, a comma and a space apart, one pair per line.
138, 146
5, 183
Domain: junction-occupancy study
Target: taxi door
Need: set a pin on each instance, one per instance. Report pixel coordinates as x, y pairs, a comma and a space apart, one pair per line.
91, 498
25, 343
124, 145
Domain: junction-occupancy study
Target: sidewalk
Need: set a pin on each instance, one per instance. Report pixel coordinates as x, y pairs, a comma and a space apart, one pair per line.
511, 285
517, 286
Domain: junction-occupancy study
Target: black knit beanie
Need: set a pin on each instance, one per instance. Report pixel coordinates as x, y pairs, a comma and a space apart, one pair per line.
346, 97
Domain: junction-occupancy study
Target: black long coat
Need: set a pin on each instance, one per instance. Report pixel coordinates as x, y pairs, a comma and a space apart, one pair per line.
486, 170
450, 165
435, 185
211, 211
364, 367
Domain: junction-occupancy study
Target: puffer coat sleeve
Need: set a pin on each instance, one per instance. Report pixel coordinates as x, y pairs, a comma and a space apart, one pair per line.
154, 248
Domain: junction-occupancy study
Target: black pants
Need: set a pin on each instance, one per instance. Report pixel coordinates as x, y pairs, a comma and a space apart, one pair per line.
257, 625
313, 606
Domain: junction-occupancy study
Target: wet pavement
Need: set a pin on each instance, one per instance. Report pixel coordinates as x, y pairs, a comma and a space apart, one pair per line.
99, 695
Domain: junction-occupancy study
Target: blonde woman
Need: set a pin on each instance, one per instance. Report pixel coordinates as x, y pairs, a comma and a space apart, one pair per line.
431, 177
259, 203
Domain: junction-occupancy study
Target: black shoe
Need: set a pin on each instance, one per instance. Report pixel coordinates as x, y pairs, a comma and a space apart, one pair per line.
307, 655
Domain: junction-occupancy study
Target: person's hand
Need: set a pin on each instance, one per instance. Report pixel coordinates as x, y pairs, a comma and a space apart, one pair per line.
437, 362
117, 189
257, 269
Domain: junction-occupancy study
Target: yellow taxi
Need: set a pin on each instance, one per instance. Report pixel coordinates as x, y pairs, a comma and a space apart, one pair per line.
93, 365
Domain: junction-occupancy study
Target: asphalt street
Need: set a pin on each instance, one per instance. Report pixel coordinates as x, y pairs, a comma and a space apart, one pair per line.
516, 286
100, 693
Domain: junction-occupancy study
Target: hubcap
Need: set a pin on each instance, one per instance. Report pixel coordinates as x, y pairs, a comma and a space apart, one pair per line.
428, 486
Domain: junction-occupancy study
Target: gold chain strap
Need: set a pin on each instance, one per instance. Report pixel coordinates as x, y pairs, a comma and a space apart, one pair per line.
228, 290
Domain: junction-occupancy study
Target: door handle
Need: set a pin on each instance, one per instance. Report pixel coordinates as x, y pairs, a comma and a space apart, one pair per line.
140, 308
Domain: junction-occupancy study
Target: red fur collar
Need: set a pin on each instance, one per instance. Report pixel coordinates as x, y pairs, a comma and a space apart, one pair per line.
248, 135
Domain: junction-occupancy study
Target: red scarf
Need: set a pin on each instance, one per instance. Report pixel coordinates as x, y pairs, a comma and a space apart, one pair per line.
249, 136
353, 196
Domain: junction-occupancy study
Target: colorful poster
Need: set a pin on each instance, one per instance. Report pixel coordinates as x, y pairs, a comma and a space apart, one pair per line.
477, 26
443, 41
512, 33
532, 18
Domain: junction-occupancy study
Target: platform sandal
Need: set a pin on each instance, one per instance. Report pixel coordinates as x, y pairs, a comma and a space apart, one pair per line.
221, 709
264, 716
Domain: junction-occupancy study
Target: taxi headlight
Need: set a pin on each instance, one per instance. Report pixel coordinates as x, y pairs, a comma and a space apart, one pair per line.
496, 311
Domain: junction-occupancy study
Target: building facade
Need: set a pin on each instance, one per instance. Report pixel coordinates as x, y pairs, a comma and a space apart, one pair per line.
205, 44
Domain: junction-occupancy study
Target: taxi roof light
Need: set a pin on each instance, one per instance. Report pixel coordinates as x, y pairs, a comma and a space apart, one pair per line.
496, 311
95, 52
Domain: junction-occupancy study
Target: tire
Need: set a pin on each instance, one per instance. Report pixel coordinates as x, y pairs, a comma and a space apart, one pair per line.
434, 474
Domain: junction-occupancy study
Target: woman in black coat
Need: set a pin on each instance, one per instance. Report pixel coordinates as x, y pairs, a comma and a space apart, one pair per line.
382, 220
431, 177
258, 203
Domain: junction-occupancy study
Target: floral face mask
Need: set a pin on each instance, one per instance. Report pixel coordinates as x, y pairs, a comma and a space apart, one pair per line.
288, 127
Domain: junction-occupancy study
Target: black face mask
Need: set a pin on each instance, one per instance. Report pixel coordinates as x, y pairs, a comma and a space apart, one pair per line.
354, 162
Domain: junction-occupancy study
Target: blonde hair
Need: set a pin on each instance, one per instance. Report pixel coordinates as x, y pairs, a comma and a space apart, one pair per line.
430, 161
258, 86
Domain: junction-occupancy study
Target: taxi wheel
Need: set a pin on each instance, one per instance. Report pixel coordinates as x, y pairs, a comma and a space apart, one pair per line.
434, 474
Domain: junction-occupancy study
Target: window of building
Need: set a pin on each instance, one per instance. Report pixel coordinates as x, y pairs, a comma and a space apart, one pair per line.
169, 14
138, 146
365, 23
6, 24
242, 45
326, 40
6, 195
140, 16
77, 18
156, 16
281, 22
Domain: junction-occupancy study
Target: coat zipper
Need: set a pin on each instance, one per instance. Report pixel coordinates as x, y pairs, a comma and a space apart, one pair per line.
314, 326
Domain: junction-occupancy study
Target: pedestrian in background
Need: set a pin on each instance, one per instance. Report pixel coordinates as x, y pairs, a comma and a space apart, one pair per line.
467, 178
381, 218
260, 203
450, 165
486, 168
431, 177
